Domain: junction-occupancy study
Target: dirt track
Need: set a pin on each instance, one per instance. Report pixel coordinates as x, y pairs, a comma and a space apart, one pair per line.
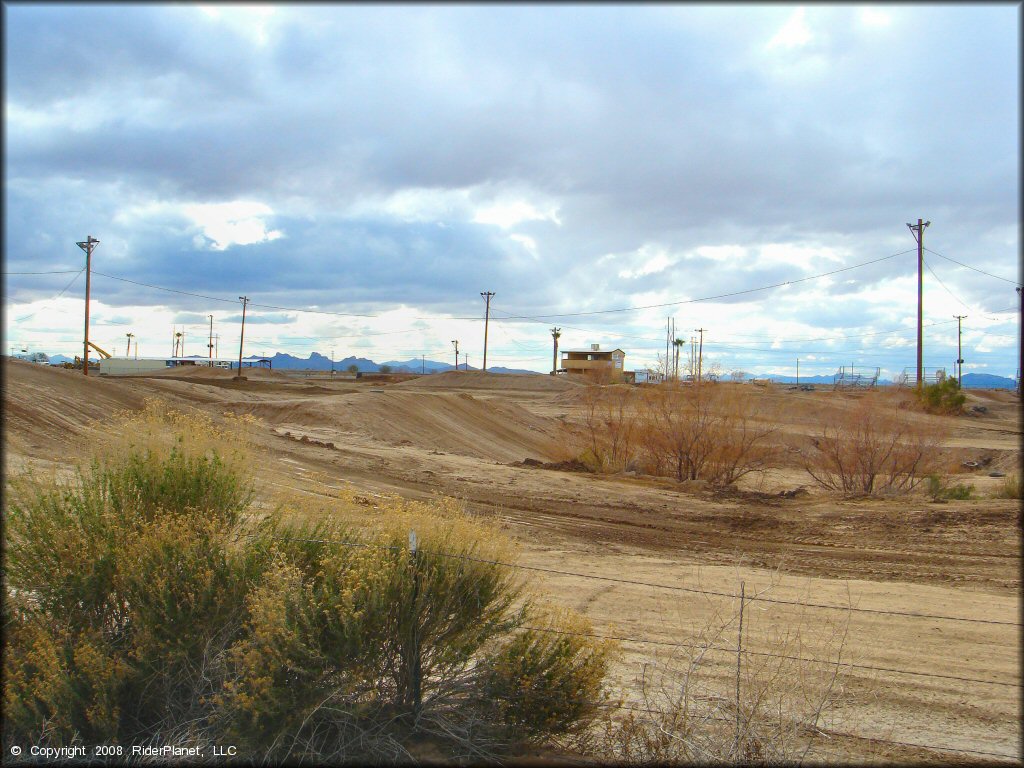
467, 435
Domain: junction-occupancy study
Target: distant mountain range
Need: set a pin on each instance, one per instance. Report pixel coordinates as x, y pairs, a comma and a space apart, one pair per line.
969, 381
317, 362
986, 381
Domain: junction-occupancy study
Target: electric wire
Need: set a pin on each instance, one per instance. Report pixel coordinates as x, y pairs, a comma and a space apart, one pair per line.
711, 298
52, 272
46, 306
968, 266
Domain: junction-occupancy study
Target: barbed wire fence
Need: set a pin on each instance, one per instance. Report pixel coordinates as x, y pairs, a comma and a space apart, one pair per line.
643, 707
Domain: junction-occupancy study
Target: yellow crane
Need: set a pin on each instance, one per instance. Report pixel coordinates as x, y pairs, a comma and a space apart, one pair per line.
102, 353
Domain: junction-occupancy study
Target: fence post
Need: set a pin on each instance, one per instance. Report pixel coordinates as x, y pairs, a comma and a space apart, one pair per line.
414, 656
739, 657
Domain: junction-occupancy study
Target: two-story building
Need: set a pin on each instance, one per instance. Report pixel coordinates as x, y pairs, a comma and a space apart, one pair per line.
595, 362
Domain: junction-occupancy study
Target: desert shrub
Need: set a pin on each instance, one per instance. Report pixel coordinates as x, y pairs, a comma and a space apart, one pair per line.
943, 396
611, 428
1010, 488
708, 433
938, 489
144, 603
711, 433
549, 678
873, 448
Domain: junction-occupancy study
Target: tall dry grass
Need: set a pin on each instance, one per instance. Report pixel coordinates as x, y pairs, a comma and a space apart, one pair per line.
758, 700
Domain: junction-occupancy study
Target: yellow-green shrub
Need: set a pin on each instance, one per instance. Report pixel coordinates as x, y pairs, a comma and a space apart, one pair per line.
144, 605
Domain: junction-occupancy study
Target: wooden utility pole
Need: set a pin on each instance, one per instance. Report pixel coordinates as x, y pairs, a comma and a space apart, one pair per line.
555, 334
959, 353
798, 371
88, 245
700, 353
668, 337
918, 232
456, 343
241, 338
210, 345
487, 317
1020, 352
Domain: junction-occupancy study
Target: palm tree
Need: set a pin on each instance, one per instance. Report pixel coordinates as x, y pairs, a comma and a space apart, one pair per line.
677, 343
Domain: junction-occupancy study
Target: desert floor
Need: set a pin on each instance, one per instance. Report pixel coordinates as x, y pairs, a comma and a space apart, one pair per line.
938, 680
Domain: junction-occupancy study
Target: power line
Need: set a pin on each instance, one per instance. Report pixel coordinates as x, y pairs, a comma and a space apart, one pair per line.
964, 304
525, 317
264, 306
45, 306
547, 318
54, 272
968, 266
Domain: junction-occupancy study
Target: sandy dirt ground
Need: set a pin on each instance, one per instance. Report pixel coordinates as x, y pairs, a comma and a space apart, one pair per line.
484, 438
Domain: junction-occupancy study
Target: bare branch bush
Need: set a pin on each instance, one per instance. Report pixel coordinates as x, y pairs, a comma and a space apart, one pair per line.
712, 432
873, 448
611, 429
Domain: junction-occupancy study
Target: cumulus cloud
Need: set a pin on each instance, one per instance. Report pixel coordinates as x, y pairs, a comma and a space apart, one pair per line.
358, 158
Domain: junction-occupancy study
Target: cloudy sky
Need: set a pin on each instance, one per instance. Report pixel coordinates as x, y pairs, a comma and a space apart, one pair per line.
362, 173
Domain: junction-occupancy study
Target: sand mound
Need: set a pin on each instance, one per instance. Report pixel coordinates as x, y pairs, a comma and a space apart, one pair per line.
44, 404
459, 380
448, 422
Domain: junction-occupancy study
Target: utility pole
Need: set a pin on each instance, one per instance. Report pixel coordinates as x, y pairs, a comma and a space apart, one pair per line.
798, 371
959, 353
918, 232
456, 343
700, 353
672, 342
332, 363
423, 364
88, 245
241, 338
1020, 352
210, 345
555, 335
487, 317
